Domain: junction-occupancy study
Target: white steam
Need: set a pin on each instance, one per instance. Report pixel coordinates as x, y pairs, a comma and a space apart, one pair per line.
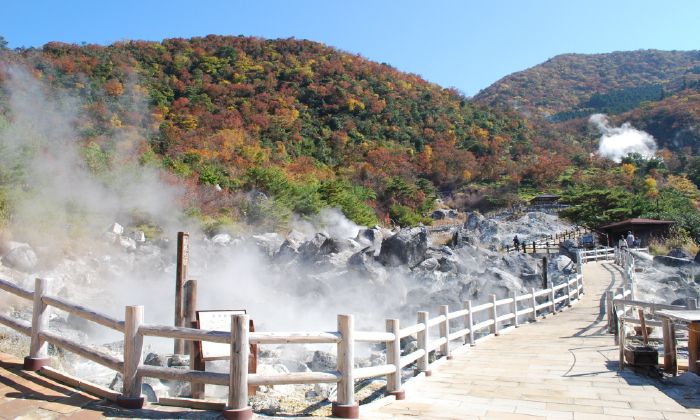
618, 142
59, 196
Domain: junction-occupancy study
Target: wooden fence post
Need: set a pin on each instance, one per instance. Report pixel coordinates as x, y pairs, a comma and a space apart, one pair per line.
544, 272
190, 308
568, 292
515, 309
553, 296
445, 332
183, 257
534, 250
534, 305
345, 405
494, 315
38, 355
669, 334
393, 357
469, 321
609, 310
423, 336
237, 407
133, 357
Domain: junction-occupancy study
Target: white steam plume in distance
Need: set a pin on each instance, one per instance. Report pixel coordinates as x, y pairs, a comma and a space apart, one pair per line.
618, 142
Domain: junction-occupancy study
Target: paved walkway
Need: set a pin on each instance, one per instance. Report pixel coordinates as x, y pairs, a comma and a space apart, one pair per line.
564, 367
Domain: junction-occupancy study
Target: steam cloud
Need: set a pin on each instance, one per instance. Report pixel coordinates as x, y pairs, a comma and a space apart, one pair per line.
618, 142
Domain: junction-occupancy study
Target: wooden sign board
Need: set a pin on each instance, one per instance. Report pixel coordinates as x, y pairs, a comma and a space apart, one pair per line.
216, 321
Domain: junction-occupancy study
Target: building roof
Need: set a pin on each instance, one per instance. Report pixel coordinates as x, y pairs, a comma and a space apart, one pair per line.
637, 221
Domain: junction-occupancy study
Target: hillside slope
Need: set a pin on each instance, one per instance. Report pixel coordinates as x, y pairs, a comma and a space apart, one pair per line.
309, 124
575, 85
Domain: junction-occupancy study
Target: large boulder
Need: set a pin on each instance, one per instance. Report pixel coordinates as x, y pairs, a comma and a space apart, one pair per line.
461, 237
408, 247
671, 261
371, 238
320, 244
21, 257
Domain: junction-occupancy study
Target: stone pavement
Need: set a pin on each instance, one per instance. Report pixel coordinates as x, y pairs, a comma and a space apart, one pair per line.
564, 367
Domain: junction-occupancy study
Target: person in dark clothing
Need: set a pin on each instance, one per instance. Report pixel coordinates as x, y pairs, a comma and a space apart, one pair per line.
516, 242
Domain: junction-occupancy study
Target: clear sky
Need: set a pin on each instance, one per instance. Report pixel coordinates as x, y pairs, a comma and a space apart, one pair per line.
464, 44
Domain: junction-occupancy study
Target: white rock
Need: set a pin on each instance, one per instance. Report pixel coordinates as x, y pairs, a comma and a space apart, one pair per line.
116, 228
138, 236
221, 239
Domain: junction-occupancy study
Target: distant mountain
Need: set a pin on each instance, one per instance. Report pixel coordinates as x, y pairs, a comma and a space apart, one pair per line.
576, 85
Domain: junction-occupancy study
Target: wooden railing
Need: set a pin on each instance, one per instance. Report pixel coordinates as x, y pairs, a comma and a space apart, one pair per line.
466, 325
548, 243
623, 310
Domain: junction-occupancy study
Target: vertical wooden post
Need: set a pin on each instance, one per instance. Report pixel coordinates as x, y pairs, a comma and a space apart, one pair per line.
133, 357
445, 332
534, 305
609, 310
393, 357
469, 321
190, 308
544, 272
183, 257
547, 245
422, 362
345, 405
494, 315
621, 343
515, 309
552, 296
534, 249
670, 365
38, 356
237, 407
568, 292
197, 363
693, 346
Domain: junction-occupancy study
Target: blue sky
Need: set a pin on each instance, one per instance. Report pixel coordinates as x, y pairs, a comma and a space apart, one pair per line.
464, 44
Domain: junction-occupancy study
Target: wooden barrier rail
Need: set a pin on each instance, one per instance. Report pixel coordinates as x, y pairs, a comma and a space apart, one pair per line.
459, 325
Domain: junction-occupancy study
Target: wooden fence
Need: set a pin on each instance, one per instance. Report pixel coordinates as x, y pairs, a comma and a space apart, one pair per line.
465, 326
622, 311
548, 244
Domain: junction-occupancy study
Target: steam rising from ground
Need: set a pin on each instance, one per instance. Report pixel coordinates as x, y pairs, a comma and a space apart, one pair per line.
618, 142
59, 196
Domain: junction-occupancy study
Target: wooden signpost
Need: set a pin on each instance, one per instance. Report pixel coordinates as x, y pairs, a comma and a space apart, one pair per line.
183, 259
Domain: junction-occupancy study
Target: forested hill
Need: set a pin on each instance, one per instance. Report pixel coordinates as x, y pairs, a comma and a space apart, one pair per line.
575, 85
312, 125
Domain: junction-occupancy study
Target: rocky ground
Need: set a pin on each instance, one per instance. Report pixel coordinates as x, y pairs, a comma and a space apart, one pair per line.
292, 282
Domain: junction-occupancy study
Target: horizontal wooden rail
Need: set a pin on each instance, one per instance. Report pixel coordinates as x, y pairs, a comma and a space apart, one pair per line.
411, 357
413, 329
255, 379
185, 333
560, 299
458, 334
544, 292
16, 324
183, 375
504, 301
71, 380
436, 321
295, 337
505, 317
88, 353
435, 344
373, 371
373, 337
16, 290
457, 314
483, 324
521, 298
83, 312
482, 307
543, 305
647, 305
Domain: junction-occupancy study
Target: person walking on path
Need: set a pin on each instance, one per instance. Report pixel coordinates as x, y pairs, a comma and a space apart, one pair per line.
630, 239
516, 242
